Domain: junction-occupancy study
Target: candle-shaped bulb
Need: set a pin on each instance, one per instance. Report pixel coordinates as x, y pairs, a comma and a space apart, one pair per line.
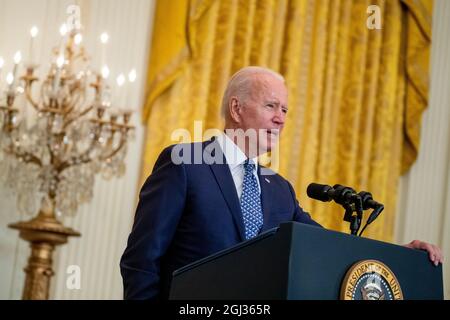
104, 38
63, 30
120, 95
57, 79
17, 57
2, 63
132, 76
10, 78
34, 32
105, 72
60, 61
78, 38
120, 80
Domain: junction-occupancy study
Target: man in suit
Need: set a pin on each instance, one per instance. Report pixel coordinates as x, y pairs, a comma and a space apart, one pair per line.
205, 197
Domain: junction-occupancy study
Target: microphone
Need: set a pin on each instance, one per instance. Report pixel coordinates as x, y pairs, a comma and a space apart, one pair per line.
368, 202
339, 193
350, 200
321, 192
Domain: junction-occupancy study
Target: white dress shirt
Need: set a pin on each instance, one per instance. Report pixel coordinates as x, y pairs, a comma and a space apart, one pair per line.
235, 159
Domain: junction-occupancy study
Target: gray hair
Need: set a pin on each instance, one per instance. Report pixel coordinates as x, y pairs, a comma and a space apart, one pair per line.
240, 84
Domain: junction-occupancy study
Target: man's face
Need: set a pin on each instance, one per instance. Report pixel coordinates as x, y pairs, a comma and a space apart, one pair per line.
265, 110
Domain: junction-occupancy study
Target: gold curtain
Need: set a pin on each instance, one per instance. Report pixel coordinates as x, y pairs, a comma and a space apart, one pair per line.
356, 95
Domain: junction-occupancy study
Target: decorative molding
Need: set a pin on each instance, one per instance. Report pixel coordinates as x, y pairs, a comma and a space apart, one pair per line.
424, 196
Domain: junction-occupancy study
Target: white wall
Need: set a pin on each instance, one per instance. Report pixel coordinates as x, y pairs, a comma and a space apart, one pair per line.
106, 221
424, 206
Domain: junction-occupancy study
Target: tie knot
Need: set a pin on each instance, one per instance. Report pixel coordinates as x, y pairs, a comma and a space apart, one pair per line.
249, 165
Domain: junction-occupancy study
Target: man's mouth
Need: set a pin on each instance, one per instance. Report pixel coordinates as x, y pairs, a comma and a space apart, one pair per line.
273, 132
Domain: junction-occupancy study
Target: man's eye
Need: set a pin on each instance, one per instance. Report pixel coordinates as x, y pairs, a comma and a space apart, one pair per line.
270, 105
284, 110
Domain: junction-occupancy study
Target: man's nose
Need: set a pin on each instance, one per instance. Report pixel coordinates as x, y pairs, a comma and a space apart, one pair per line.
279, 118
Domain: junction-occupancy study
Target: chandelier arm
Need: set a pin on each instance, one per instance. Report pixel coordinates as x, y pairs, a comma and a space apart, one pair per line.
81, 114
115, 151
30, 99
76, 98
81, 100
26, 157
52, 155
66, 164
80, 159
69, 109
84, 161
72, 104
44, 94
78, 56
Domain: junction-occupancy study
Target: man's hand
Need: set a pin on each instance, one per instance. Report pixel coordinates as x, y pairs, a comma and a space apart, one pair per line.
434, 252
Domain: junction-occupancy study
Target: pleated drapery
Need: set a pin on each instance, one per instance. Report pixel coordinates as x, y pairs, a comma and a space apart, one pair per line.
356, 95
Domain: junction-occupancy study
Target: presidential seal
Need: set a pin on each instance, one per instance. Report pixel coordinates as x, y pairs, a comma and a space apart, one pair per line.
370, 280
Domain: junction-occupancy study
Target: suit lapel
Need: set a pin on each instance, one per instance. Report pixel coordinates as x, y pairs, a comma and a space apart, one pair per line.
264, 182
227, 187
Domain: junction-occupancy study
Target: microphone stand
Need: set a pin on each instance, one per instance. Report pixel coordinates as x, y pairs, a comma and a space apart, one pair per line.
354, 205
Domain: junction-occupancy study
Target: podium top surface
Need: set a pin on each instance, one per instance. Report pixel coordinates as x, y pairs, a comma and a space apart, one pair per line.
298, 261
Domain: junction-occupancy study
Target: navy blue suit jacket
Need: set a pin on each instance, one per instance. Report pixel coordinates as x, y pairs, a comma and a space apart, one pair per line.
189, 211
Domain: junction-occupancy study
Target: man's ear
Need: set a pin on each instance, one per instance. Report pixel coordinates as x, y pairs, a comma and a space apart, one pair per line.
235, 109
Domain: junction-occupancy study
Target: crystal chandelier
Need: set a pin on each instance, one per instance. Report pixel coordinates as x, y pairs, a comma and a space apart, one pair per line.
55, 135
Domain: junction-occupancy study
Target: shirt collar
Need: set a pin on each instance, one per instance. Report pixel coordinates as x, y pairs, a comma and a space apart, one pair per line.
233, 154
